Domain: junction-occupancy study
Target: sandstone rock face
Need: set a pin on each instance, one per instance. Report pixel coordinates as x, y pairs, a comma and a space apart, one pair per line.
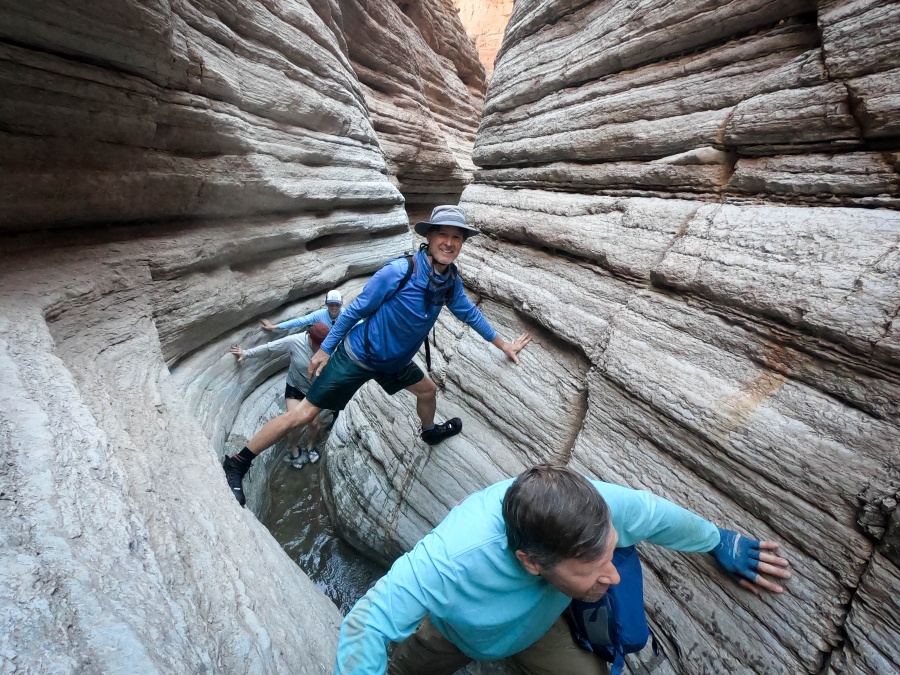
124, 549
171, 173
695, 207
424, 87
485, 21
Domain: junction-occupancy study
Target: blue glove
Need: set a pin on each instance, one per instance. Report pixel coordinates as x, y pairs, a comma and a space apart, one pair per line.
738, 555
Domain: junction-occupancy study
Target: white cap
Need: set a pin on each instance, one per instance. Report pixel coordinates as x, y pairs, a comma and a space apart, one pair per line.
334, 297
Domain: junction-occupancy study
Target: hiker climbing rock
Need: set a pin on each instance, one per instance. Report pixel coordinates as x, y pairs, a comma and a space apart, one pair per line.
400, 305
334, 303
301, 347
493, 579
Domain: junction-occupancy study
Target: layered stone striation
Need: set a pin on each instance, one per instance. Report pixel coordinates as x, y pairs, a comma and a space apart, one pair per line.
694, 206
171, 173
424, 86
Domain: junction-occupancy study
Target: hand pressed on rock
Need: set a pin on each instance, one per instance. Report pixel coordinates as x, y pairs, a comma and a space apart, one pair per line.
512, 349
268, 325
238, 352
745, 560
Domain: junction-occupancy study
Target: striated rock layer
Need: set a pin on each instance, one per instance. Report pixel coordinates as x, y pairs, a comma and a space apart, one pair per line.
424, 87
171, 173
695, 208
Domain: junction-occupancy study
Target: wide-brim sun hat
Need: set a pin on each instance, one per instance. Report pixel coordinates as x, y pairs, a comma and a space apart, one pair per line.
445, 215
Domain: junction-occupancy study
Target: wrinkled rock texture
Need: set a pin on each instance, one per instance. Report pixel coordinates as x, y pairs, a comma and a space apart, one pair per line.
172, 172
694, 207
485, 21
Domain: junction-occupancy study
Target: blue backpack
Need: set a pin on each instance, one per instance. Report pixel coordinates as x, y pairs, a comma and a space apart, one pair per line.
616, 624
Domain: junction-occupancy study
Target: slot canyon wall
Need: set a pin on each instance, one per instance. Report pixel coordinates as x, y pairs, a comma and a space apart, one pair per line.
485, 21
694, 208
171, 172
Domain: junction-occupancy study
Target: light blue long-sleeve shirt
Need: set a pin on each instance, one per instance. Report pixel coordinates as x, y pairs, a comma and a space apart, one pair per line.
477, 593
398, 327
309, 319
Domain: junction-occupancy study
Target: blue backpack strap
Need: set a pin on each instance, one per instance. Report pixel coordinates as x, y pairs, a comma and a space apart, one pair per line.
616, 624
618, 664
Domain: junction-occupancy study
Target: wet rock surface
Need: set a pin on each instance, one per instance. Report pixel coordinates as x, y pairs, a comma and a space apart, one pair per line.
300, 522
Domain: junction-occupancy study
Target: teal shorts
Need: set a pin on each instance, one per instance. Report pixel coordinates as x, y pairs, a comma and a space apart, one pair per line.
341, 378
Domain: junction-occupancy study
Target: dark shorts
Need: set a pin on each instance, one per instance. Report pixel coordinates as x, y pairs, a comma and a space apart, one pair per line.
341, 378
293, 392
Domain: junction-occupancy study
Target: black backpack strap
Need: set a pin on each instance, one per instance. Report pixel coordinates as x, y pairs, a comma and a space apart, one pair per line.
410, 268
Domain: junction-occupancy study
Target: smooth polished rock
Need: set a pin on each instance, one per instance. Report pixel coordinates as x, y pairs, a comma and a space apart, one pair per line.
118, 525
239, 127
659, 109
555, 45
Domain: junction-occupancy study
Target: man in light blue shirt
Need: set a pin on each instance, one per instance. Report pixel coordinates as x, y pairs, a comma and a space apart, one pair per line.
492, 580
334, 304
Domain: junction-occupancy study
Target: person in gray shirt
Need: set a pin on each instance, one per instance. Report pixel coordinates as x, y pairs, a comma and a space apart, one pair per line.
301, 347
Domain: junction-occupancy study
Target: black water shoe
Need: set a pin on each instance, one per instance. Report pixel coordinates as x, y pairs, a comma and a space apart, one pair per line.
440, 432
235, 470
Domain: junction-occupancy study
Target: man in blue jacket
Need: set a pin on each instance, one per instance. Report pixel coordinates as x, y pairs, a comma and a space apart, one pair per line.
400, 305
492, 580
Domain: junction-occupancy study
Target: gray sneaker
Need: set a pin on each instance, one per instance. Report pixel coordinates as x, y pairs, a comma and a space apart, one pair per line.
301, 461
291, 458
314, 455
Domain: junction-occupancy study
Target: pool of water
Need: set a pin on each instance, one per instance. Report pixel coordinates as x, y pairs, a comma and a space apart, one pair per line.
299, 522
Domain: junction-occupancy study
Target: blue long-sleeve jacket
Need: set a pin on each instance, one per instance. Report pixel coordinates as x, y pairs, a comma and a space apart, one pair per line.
398, 327
308, 320
477, 593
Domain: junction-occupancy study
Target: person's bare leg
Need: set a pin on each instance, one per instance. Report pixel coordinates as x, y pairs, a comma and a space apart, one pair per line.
275, 429
294, 434
312, 433
426, 400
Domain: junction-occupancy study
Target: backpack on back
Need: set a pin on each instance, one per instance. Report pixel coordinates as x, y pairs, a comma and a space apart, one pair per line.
616, 624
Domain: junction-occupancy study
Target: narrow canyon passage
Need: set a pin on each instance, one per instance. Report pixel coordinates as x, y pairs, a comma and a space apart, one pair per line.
299, 522
693, 207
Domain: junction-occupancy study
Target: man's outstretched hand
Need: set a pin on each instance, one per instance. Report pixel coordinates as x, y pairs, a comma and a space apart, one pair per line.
746, 560
512, 349
238, 352
268, 325
317, 363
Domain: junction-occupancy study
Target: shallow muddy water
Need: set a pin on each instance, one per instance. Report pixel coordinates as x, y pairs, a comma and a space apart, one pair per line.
299, 522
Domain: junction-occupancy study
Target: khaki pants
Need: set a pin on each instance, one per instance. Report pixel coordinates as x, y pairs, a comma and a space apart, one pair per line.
427, 652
